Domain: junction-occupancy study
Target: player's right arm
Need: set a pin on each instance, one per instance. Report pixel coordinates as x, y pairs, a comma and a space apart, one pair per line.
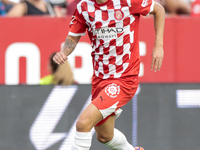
77, 29
67, 49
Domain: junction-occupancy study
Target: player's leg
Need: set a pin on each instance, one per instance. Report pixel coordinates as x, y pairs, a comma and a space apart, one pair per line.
86, 121
105, 131
88, 118
112, 137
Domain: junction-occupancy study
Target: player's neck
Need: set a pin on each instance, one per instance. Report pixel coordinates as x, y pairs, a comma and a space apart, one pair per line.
101, 1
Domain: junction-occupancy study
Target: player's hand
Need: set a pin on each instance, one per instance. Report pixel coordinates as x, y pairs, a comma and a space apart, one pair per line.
157, 58
60, 58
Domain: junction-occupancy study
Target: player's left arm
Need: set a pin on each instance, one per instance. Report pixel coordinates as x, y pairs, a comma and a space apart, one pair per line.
159, 23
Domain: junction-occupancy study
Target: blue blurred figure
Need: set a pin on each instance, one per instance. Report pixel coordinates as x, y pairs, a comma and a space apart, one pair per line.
2, 9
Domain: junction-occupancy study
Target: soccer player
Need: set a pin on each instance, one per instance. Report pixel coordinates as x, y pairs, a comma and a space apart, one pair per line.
112, 26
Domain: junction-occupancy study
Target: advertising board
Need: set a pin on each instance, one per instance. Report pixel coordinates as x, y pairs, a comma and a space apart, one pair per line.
27, 42
160, 116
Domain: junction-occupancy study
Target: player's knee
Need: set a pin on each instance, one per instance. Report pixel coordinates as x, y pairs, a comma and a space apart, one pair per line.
104, 138
82, 125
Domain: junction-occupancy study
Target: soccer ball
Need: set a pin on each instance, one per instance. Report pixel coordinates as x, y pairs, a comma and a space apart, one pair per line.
139, 148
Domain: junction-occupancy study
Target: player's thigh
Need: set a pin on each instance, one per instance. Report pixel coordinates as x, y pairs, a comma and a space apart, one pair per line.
88, 118
105, 131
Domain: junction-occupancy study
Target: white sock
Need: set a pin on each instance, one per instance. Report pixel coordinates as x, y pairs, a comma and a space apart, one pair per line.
82, 141
119, 142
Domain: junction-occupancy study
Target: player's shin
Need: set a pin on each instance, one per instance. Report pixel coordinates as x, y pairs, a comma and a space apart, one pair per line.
119, 142
82, 141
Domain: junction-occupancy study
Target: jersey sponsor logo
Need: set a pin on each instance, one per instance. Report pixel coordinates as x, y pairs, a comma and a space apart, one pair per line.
107, 33
119, 15
112, 90
144, 3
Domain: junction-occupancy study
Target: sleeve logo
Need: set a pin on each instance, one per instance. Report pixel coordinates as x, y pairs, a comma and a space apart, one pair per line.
72, 19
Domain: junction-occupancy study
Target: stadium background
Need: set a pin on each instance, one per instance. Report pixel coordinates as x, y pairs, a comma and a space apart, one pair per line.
163, 115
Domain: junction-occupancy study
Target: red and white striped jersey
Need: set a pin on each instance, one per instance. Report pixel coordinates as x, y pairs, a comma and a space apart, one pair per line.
113, 30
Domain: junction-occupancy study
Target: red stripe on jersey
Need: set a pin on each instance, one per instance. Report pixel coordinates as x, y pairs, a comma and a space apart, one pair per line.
106, 50
112, 60
101, 42
100, 58
119, 68
110, 5
98, 24
113, 42
112, 23
119, 50
96, 67
132, 28
123, 3
126, 21
97, 49
119, 34
126, 38
104, 15
105, 69
93, 41
125, 58
84, 6
100, 75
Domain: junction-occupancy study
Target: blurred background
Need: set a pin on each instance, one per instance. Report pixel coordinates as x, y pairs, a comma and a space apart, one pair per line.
40, 101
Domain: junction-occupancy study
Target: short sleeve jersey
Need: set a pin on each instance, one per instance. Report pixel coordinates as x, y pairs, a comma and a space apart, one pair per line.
113, 30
